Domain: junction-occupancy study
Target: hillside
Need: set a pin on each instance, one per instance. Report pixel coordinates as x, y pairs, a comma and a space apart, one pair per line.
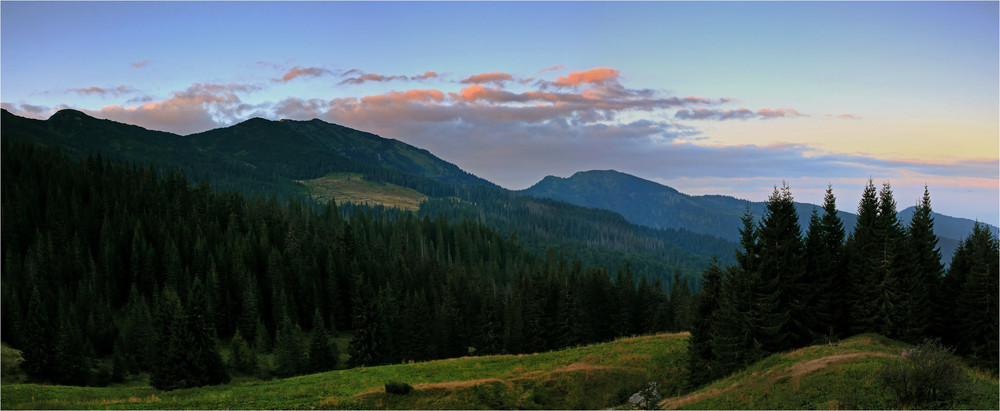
354, 188
297, 158
844, 375
655, 205
255, 156
589, 377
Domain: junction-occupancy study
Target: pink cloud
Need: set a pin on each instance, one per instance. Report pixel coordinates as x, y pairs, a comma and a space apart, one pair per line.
404, 96
140, 64
201, 107
299, 71
595, 75
494, 77
425, 76
553, 68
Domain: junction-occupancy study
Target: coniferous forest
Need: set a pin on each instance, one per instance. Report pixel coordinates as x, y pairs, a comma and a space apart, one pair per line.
141, 266
790, 289
118, 269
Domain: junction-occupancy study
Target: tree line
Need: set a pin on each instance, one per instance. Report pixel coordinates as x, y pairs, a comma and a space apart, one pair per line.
788, 289
118, 269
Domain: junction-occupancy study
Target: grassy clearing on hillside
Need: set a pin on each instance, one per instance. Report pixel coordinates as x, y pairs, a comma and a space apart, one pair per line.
845, 375
353, 188
594, 376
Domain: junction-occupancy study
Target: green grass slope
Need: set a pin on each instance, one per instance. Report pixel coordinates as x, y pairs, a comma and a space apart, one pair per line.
354, 188
589, 377
845, 375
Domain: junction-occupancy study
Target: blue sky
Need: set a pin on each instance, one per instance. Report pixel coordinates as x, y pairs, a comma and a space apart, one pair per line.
727, 98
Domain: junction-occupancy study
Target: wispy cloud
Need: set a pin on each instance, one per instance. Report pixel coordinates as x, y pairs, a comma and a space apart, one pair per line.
843, 116
553, 68
425, 76
594, 76
484, 78
741, 113
766, 113
140, 64
298, 71
27, 110
101, 91
361, 77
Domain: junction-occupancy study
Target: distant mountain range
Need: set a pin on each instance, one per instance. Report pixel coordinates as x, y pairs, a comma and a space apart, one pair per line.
655, 205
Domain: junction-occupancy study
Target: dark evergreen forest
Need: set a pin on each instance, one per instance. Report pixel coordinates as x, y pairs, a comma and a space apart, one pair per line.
789, 289
127, 262
113, 269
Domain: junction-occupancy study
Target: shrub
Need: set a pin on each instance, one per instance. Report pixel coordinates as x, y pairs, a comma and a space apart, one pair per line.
929, 376
399, 388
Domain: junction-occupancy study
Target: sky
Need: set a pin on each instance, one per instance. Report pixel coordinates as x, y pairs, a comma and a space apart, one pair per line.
707, 97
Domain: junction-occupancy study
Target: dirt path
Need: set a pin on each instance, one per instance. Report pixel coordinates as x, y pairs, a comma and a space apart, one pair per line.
796, 371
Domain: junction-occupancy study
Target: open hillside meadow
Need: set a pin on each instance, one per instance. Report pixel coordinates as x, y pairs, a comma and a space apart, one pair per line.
588, 377
843, 375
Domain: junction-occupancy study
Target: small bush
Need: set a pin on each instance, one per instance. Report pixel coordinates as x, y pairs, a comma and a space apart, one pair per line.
399, 388
929, 376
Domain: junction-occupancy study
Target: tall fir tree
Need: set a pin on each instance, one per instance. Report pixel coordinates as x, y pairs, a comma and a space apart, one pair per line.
781, 317
701, 359
322, 354
893, 267
832, 271
927, 271
863, 261
289, 349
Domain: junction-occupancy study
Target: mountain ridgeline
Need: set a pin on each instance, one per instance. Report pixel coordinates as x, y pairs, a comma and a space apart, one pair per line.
260, 157
652, 204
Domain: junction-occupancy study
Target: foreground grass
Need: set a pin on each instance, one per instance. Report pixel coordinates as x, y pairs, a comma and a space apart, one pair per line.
833, 376
353, 188
594, 376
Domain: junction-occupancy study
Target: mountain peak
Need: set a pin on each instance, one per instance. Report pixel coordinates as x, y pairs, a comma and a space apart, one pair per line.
69, 113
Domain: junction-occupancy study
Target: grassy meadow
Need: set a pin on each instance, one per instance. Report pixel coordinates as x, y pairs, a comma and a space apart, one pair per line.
842, 375
353, 188
588, 377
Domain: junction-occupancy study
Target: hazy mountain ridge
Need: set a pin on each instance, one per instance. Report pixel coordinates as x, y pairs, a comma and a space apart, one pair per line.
655, 205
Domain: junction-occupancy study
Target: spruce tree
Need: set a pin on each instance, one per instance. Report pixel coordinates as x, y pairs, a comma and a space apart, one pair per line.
701, 360
832, 272
893, 267
365, 348
322, 354
927, 271
781, 317
243, 359
864, 258
39, 335
169, 370
205, 365
289, 349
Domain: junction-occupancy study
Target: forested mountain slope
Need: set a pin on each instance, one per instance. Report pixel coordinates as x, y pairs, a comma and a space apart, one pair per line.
102, 260
262, 157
